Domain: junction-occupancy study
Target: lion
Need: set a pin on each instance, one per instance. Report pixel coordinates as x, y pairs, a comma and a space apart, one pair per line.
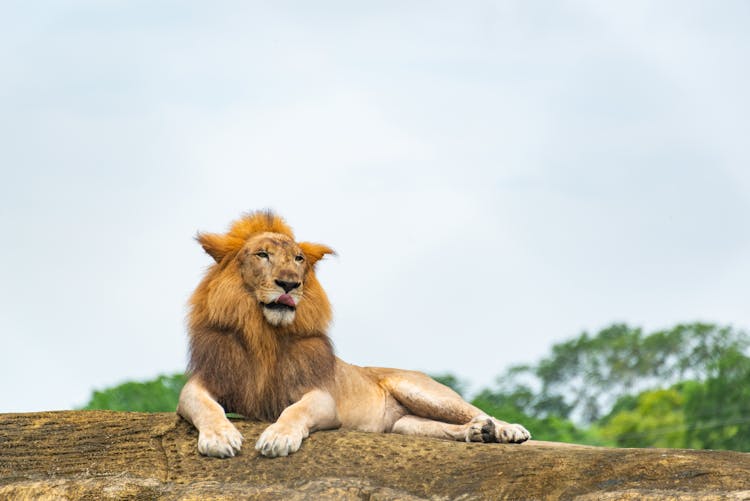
259, 347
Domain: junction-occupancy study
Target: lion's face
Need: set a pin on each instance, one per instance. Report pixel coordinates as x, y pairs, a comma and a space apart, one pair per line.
262, 278
273, 268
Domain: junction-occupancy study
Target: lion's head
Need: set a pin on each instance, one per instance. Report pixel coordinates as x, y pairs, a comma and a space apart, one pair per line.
262, 272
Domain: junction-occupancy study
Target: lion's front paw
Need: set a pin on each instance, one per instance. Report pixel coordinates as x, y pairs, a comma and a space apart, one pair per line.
489, 429
221, 441
280, 440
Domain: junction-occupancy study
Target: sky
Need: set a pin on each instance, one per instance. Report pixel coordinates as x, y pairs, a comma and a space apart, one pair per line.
496, 176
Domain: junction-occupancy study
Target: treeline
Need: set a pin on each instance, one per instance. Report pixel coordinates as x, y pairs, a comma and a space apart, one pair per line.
685, 387
158, 395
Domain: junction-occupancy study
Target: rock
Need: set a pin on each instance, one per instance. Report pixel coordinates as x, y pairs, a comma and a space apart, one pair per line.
116, 455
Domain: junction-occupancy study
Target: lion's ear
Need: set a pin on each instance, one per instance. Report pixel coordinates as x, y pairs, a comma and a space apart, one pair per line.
315, 252
218, 246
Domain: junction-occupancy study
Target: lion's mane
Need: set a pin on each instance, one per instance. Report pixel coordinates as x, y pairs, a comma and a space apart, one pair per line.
249, 366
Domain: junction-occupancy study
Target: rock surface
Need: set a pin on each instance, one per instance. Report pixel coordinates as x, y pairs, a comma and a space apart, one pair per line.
119, 455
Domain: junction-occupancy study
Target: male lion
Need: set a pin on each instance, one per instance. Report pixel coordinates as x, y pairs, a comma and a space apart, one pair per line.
258, 347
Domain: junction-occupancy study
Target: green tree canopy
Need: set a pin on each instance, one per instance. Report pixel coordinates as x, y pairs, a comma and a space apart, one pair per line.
718, 410
583, 378
157, 395
655, 418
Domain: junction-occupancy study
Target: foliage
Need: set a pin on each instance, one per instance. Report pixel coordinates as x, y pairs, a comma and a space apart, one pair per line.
688, 386
718, 411
585, 376
710, 414
654, 418
158, 395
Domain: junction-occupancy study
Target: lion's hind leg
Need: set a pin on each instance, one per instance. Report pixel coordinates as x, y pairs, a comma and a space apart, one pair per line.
438, 411
474, 431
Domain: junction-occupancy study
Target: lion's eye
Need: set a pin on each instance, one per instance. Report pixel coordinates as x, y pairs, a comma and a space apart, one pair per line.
262, 254
299, 258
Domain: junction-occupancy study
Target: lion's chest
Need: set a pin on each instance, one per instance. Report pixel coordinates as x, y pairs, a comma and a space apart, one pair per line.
270, 382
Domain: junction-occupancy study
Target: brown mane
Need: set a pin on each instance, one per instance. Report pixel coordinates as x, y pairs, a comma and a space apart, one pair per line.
248, 365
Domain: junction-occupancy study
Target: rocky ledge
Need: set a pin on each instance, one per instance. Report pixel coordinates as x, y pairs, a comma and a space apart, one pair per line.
122, 455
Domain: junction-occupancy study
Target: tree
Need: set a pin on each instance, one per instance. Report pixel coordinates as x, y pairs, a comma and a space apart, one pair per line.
710, 414
157, 395
654, 418
585, 376
717, 412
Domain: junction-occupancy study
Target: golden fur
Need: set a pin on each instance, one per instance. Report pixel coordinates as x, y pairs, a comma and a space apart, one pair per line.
258, 347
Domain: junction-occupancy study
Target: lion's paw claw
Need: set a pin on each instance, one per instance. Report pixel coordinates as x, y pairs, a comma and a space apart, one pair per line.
279, 440
221, 442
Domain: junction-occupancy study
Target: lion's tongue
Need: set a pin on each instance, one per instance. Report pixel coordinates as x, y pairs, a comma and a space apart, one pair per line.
286, 299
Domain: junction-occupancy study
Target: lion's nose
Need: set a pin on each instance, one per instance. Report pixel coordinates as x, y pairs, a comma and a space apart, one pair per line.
287, 286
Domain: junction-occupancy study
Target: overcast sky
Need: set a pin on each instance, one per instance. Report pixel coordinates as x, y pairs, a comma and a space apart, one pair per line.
495, 176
